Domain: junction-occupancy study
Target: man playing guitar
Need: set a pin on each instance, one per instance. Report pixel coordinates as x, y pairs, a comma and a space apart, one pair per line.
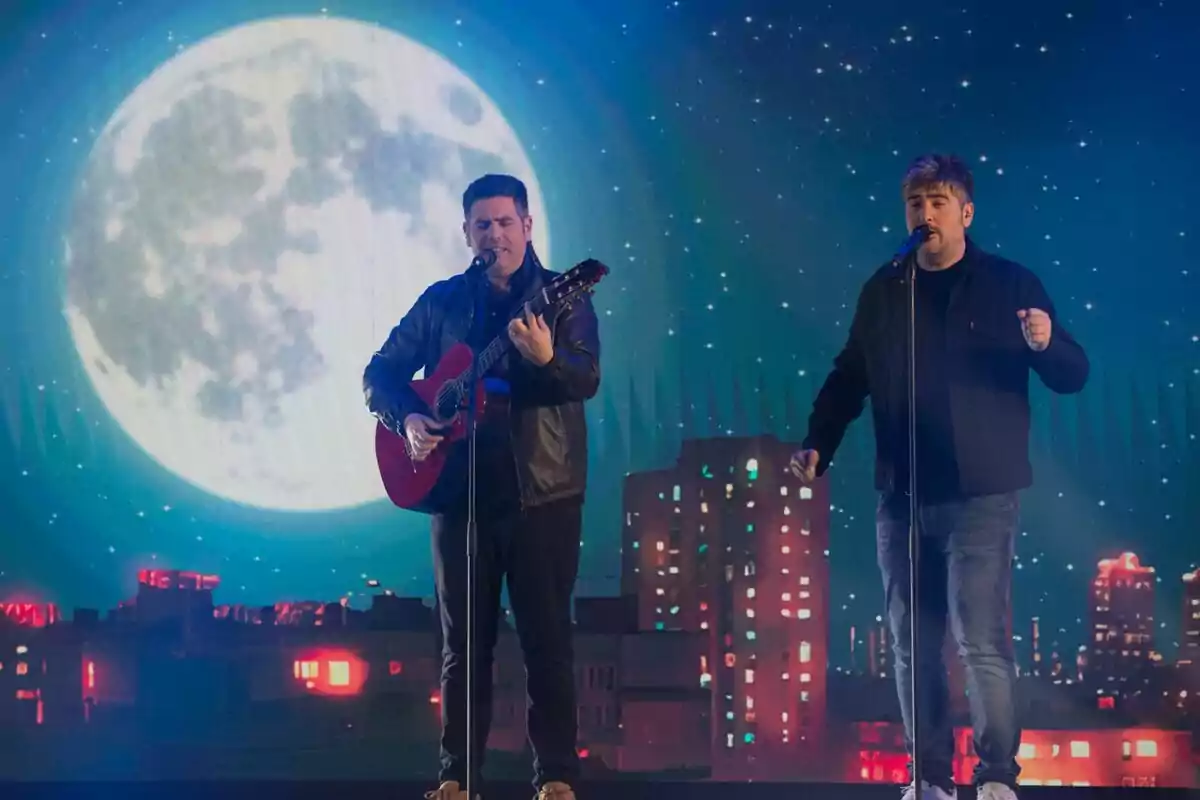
531, 464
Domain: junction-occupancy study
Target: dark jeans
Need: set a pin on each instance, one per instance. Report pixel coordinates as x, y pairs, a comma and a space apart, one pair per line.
538, 552
965, 575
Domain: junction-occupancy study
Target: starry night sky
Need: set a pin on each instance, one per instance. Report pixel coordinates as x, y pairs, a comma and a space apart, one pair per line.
740, 173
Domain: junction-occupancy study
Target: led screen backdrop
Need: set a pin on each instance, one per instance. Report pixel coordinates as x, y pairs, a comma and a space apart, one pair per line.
212, 214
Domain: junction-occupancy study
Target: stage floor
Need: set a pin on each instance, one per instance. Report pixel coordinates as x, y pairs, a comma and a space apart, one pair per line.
608, 790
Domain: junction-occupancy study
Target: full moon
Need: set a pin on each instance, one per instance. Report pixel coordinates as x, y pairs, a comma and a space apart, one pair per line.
248, 227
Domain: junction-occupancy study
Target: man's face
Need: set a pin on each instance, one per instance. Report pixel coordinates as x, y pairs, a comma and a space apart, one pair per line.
495, 223
948, 218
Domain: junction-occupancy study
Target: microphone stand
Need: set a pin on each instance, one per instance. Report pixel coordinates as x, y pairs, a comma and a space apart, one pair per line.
472, 531
908, 251
914, 538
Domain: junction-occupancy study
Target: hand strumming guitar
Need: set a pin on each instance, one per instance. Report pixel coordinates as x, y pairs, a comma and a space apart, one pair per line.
423, 435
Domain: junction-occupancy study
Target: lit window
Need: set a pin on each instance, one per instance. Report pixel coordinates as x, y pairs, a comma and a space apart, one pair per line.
783, 493
1080, 750
750, 613
675, 495
749, 703
787, 511
22, 649
749, 676
804, 579
306, 670
784, 716
729, 736
1147, 748
339, 673
1028, 750
784, 529
806, 650
804, 695
785, 550
805, 613
750, 591
806, 677
787, 596
751, 636
395, 667
659, 546
22, 668
806, 494
704, 510
807, 532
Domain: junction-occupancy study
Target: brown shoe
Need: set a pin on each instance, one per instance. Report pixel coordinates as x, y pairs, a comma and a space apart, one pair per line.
449, 790
555, 790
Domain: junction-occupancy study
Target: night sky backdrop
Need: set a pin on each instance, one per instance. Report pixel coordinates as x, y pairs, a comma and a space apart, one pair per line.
740, 173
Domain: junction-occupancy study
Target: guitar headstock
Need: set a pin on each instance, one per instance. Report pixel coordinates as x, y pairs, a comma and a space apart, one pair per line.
580, 279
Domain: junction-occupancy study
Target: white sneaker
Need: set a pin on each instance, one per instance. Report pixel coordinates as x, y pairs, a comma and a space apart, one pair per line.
995, 791
930, 793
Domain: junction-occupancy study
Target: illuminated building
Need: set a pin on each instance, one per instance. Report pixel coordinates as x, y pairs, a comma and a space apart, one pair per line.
728, 542
1189, 645
879, 643
29, 615
1035, 643
1122, 612
1109, 758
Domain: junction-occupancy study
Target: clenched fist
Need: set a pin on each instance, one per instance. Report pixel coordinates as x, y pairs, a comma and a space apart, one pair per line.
1036, 326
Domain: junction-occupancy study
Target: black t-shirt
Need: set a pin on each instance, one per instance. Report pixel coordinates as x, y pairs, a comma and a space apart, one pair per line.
496, 476
937, 465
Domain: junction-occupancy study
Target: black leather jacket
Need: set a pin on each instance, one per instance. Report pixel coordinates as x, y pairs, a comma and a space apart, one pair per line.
549, 432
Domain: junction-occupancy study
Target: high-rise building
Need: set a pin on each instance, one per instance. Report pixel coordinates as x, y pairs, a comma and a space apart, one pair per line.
1035, 643
730, 543
1189, 645
1122, 611
879, 644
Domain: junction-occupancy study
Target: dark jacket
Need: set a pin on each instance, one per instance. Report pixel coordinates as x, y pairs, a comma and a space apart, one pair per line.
548, 429
988, 372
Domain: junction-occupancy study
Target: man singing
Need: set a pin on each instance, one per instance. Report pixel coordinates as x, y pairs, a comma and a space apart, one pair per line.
531, 467
982, 323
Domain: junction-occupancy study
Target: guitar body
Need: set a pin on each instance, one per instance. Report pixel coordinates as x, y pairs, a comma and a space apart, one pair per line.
414, 485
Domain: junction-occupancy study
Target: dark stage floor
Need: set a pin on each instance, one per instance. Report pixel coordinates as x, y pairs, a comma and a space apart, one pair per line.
614, 790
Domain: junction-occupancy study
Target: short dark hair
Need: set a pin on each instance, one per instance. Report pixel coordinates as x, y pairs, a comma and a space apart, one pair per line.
935, 169
493, 185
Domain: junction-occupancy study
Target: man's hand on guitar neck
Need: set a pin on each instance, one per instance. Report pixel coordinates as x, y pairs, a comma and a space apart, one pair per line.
423, 435
532, 337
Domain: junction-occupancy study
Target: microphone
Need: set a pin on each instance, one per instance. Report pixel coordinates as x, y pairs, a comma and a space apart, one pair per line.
914, 240
482, 262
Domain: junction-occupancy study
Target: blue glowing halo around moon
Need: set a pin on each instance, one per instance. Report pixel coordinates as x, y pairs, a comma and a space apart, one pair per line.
248, 226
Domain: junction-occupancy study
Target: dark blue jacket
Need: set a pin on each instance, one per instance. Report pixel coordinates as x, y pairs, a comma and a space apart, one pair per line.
988, 371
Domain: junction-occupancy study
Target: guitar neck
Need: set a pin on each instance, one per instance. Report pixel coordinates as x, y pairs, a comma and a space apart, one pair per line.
499, 346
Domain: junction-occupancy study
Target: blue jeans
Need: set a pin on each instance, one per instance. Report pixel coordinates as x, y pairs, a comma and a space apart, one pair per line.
966, 555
